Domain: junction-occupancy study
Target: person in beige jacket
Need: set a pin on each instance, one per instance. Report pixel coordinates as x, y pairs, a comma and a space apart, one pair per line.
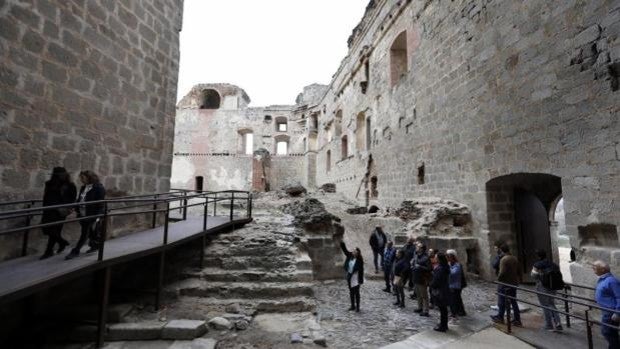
509, 273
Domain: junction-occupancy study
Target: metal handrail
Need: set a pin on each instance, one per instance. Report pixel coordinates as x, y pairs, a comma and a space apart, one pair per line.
567, 313
156, 200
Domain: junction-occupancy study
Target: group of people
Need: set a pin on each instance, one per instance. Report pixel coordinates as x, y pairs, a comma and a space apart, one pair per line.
436, 278
60, 190
428, 271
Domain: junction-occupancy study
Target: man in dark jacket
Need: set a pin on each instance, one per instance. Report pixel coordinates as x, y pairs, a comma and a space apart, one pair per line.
377, 242
59, 190
510, 274
409, 252
498, 256
420, 273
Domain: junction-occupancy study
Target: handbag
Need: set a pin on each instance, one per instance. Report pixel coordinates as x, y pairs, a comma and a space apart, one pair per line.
398, 281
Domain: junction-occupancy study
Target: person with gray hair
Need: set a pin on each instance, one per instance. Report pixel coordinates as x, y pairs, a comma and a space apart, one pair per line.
608, 296
456, 283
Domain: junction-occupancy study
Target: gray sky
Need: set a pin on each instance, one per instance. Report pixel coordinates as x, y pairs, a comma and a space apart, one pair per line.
270, 48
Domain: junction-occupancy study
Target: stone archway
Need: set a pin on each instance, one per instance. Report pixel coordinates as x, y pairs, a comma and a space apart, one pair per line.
518, 211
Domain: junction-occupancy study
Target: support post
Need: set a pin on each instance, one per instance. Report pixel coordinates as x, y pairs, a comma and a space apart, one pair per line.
215, 206
26, 232
166, 221
251, 203
103, 306
104, 232
154, 218
160, 280
247, 213
185, 205
566, 309
589, 330
232, 203
204, 233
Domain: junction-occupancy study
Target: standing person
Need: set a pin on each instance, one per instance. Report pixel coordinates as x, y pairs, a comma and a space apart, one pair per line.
608, 296
91, 190
354, 268
457, 278
498, 256
388, 265
377, 242
432, 256
408, 253
401, 272
420, 272
59, 190
440, 290
541, 272
508, 274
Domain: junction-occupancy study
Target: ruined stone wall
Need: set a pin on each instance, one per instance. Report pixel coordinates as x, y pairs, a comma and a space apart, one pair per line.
286, 169
88, 85
491, 88
211, 142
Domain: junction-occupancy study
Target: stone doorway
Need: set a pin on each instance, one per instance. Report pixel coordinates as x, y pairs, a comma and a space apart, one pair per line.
520, 208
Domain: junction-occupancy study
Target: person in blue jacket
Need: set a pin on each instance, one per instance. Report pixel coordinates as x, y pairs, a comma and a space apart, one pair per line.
608, 296
388, 265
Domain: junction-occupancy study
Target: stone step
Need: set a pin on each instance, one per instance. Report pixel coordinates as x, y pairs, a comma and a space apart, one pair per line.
217, 274
250, 290
303, 262
259, 305
264, 262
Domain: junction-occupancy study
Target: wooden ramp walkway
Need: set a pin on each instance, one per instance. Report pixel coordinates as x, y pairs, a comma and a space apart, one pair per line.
23, 276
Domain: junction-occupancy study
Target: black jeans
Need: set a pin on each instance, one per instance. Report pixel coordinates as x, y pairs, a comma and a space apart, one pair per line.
54, 237
89, 232
388, 277
400, 293
456, 302
354, 293
501, 302
443, 316
376, 254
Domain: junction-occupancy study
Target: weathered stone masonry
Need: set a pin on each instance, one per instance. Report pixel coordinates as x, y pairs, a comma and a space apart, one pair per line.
87, 85
504, 106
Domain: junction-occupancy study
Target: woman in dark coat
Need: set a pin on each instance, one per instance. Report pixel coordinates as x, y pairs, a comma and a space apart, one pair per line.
354, 268
401, 275
59, 190
91, 190
440, 290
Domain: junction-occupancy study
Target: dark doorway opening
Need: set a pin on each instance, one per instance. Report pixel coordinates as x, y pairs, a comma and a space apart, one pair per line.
199, 183
519, 207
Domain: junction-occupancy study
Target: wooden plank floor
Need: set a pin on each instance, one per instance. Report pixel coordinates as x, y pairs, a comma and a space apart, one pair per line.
21, 276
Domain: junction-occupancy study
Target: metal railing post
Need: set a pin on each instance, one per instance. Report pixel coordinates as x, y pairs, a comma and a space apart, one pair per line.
104, 232
251, 204
154, 218
248, 205
566, 309
215, 206
185, 205
589, 329
26, 232
166, 222
232, 203
204, 233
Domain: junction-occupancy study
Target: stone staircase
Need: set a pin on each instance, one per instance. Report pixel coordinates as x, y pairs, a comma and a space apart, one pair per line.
259, 267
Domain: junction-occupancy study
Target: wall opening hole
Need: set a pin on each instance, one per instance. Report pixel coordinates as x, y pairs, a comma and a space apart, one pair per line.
421, 174
210, 99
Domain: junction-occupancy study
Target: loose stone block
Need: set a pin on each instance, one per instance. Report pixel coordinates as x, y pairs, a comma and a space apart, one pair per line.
184, 329
135, 331
220, 323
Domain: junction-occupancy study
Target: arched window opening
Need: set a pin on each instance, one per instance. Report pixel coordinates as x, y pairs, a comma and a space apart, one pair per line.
198, 185
398, 58
338, 123
360, 132
210, 99
344, 147
246, 142
328, 161
282, 148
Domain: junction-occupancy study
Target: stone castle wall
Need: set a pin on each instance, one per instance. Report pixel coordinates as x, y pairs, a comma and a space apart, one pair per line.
490, 89
88, 85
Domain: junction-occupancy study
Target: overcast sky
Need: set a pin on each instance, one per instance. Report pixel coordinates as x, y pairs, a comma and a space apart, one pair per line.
270, 48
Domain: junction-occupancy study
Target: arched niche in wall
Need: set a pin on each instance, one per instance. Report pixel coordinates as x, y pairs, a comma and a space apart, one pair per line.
398, 58
338, 123
210, 99
344, 147
328, 160
282, 143
245, 143
360, 132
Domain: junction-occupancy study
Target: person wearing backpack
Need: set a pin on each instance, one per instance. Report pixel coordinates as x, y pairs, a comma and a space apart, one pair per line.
545, 272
